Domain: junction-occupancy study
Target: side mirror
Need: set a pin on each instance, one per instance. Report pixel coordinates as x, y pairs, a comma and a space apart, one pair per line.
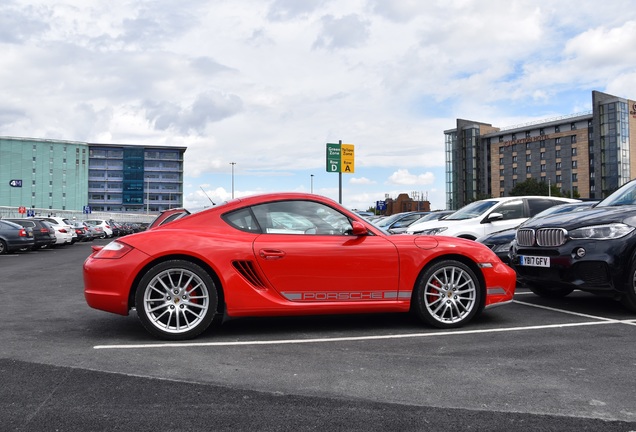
358, 228
494, 217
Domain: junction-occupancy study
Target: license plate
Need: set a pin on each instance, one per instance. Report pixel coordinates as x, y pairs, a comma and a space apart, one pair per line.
534, 261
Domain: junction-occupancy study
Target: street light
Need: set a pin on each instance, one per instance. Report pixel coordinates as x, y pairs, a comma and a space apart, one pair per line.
312, 183
232, 163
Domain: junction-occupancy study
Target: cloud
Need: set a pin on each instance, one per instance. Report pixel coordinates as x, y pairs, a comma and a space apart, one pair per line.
349, 31
404, 177
362, 181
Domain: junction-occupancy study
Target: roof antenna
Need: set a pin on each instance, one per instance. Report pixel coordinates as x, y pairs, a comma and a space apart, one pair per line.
207, 195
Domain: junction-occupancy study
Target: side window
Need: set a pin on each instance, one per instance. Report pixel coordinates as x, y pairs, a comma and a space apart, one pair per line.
243, 220
301, 217
537, 205
511, 210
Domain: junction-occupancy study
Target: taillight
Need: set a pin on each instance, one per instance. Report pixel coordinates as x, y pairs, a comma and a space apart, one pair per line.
108, 226
44, 230
113, 250
22, 233
63, 230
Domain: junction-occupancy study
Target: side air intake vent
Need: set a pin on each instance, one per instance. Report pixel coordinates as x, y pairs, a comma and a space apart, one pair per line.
247, 270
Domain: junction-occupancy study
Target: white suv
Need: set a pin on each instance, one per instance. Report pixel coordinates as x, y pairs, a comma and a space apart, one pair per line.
483, 217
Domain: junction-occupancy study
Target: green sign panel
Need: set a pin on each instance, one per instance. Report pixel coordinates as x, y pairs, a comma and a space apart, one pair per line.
333, 157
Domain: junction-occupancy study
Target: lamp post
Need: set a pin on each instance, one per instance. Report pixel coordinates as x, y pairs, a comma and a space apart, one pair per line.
232, 163
312, 183
147, 194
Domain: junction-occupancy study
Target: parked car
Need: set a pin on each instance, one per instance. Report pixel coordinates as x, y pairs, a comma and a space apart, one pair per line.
398, 219
501, 241
108, 231
400, 228
43, 234
487, 216
292, 253
14, 237
63, 232
593, 252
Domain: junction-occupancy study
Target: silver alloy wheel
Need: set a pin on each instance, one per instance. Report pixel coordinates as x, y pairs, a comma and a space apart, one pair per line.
176, 300
450, 294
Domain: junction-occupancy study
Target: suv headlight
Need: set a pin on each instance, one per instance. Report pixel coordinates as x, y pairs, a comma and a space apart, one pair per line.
601, 232
433, 231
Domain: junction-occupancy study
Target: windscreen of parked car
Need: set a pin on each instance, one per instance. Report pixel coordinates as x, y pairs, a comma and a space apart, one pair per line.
626, 195
472, 210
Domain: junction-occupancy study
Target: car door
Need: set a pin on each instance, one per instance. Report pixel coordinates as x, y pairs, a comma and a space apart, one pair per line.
308, 254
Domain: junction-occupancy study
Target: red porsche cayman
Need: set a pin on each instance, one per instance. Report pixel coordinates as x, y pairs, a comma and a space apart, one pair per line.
289, 254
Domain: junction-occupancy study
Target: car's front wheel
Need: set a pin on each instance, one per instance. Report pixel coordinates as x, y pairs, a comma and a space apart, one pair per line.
448, 294
176, 300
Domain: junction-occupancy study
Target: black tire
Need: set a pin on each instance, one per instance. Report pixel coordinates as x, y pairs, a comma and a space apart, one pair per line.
629, 298
448, 294
176, 300
3, 247
546, 292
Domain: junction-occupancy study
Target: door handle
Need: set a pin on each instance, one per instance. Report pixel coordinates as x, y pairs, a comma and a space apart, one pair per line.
270, 254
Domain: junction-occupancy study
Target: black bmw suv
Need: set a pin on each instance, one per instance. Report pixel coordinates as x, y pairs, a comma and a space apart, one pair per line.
593, 250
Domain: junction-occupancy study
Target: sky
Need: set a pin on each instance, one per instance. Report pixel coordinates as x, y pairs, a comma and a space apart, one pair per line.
255, 89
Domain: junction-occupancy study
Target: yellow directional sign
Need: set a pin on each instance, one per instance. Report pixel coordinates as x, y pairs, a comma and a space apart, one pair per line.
347, 158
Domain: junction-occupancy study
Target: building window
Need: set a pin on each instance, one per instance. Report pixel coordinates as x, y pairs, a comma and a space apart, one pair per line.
501, 161
514, 137
527, 136
501, 172
573, 126
542, 143
557, 129
557, 153
559, 178
573, 151
574, 164
541, 131
542, 167
514, 159
501, 139
558, 165
528, 169
542, 155
528, 157
514, 170
501, 184
575, 177
557, 141
501, 149
573, 139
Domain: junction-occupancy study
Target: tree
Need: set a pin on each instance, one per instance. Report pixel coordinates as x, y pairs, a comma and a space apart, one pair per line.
533, 187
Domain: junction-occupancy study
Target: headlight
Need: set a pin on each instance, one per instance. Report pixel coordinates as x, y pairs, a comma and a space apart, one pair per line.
434, 231
505, 247
601, 232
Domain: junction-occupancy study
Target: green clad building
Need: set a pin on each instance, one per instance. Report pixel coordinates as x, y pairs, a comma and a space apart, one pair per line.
74, 176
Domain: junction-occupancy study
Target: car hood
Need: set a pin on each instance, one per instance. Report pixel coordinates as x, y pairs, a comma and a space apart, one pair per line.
593, 216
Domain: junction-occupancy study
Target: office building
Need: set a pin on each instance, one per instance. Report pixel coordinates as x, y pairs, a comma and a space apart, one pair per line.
67, 175
591, 153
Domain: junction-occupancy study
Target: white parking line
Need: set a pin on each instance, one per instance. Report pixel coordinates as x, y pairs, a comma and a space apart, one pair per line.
349, 339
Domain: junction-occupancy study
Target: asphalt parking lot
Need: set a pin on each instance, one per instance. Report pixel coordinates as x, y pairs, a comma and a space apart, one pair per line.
535, 364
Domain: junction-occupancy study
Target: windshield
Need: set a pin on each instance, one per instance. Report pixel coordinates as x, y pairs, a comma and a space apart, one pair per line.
388, 220
472, 210
625, 195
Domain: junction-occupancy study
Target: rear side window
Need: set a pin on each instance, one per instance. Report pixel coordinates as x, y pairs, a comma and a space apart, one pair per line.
242, 220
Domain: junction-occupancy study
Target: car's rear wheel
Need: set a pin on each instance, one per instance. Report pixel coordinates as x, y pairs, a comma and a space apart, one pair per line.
549, 292
629, 298
176, 300
448, 294
3, 247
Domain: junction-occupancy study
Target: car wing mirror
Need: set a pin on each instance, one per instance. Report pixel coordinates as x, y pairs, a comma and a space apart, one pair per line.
494, 217
358, 228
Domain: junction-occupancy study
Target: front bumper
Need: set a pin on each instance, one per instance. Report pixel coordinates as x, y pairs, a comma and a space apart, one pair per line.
603, 268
